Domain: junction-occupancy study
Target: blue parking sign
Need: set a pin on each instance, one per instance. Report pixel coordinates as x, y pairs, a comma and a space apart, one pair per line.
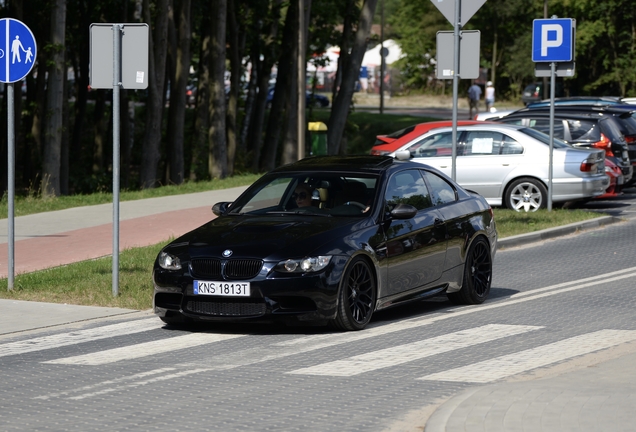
553, 40
18, 50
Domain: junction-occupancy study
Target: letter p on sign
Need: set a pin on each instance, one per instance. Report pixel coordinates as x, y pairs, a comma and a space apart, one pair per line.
546, 42
553, 40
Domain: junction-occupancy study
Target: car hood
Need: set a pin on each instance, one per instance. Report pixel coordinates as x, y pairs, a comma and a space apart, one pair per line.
267, 237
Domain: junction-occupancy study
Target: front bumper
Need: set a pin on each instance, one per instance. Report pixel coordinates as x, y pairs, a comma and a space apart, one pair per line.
299, 297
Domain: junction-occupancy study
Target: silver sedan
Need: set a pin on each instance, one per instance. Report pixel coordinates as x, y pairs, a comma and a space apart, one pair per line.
508, 164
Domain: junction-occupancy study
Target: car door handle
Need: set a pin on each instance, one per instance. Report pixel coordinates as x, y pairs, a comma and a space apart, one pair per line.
505, 164
443, 166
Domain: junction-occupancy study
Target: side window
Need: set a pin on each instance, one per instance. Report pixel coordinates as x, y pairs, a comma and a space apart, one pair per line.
439, 144
480, 143
441, 191
407, 187
510, 146
518, 121
543, 125
581, 130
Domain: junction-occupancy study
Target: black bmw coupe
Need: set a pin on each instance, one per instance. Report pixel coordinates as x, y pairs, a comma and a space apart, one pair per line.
330, 240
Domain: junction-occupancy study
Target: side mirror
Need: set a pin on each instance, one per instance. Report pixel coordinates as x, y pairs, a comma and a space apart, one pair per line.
403, 155
403, 211
220, 208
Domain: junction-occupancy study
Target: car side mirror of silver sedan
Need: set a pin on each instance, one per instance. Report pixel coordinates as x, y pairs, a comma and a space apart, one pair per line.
403, 155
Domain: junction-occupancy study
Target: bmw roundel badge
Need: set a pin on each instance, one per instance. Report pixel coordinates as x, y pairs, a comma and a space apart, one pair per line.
227, 253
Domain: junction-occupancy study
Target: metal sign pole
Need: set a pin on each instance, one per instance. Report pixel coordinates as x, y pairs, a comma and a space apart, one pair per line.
11, 183
455, 90
117, 30
552, 86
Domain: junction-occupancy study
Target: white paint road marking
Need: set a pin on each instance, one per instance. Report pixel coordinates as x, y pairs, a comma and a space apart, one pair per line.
414, 351
315, 342
512, 364
144, 349
105, 383
79, 336
599, 278
139, 383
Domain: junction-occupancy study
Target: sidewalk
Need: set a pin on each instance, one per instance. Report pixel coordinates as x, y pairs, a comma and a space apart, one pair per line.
595, 398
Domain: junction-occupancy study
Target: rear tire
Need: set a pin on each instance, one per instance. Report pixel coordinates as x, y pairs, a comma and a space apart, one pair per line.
477, 275
356, 300
526, 194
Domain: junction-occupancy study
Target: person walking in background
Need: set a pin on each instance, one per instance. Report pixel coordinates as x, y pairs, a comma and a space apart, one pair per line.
474, 94
490, 97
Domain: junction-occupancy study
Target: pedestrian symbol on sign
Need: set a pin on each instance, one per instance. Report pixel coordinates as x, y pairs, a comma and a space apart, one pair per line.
18, 50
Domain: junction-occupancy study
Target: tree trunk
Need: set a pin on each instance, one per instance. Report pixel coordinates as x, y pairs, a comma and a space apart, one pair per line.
343, 58
277, 116
264, 67
176, 119
54, 101
235, 55
198, 164
340, 109
100, 127
154, 105
290, 137
217, 143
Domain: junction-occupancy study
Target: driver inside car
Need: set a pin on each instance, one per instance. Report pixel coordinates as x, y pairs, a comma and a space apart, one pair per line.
302, 195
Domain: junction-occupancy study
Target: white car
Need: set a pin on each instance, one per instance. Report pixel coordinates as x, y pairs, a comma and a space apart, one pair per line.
491, 115
508, 164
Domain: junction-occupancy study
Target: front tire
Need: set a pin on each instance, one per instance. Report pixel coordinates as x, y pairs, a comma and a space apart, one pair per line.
357, 296
526, 194
477, 275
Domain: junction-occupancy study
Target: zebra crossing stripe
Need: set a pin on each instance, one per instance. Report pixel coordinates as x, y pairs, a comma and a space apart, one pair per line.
78, 336
512, 364
414, 351
144, 349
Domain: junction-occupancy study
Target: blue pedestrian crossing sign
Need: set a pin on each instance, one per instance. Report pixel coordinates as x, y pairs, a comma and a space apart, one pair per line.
18, 50
553, 40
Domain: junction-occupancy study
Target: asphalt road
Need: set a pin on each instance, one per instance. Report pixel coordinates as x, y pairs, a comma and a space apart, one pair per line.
556, 306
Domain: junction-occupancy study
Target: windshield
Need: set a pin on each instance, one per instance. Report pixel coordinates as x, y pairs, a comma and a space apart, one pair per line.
309, 194
544, 138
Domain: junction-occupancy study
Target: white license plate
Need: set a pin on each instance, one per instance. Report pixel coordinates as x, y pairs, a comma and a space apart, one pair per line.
227, 289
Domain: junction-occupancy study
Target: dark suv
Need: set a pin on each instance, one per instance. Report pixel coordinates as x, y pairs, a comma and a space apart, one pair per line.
581, 128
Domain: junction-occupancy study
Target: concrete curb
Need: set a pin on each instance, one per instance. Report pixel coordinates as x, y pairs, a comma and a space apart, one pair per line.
523, 239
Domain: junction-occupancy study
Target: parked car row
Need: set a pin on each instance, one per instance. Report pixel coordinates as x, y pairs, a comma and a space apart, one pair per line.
504, 155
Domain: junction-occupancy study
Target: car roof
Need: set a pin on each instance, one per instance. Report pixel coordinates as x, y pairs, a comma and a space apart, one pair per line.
578, 100
424, 127
561, 113
368, 164
482, 125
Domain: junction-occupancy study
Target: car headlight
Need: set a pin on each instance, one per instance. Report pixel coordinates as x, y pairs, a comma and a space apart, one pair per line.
168, 261
304, 265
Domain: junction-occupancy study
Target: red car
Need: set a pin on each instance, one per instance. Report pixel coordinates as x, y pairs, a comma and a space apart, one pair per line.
615, 174
385, 144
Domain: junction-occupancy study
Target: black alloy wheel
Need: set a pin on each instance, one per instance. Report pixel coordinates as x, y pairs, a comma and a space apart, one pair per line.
357, 297
477, 275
